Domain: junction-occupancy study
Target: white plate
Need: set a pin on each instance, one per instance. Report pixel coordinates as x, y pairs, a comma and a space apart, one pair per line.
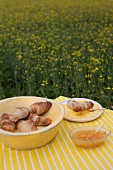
83, 117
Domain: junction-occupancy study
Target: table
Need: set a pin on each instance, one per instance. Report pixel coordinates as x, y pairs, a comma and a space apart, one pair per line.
61, 153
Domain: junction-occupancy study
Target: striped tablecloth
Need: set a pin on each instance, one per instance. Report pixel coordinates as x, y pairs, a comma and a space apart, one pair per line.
60, 153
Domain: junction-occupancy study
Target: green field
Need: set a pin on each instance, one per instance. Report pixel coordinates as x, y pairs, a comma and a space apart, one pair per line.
50, 48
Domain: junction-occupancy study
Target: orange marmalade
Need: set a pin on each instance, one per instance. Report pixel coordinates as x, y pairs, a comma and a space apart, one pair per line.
88, 135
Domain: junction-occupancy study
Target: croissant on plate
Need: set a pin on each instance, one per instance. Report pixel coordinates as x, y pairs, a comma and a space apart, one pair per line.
40, 107
39, 120
25, 126
6, 123
19, 113
76, 106
87, 105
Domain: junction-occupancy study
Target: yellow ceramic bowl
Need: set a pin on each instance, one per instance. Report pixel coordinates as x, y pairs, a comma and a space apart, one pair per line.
33, 139
86, 137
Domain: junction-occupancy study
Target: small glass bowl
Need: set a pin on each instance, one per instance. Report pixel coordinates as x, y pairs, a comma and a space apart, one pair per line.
85, 136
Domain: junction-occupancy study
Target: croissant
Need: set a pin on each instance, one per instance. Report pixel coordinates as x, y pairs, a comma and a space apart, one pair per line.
39, 120
40, 107
25, 126
6, 123
19, 113
87, 104
76, 106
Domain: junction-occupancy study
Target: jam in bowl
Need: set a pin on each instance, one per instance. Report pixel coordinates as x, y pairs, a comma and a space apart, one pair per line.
87, 137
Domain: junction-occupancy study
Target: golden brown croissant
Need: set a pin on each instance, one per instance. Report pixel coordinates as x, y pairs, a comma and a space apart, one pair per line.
76, 106
40, 107
25, 126
19, 113
6, 123
39, 120
87, 104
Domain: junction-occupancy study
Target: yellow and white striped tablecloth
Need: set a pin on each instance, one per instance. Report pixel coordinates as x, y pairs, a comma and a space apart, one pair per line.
61, 153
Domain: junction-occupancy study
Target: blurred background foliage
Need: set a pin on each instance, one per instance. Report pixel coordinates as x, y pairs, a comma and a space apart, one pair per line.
50, 48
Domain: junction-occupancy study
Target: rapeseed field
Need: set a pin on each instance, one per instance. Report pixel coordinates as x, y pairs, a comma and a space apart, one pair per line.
50, 48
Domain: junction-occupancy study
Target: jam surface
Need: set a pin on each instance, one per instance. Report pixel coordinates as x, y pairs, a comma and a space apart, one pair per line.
88, 135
